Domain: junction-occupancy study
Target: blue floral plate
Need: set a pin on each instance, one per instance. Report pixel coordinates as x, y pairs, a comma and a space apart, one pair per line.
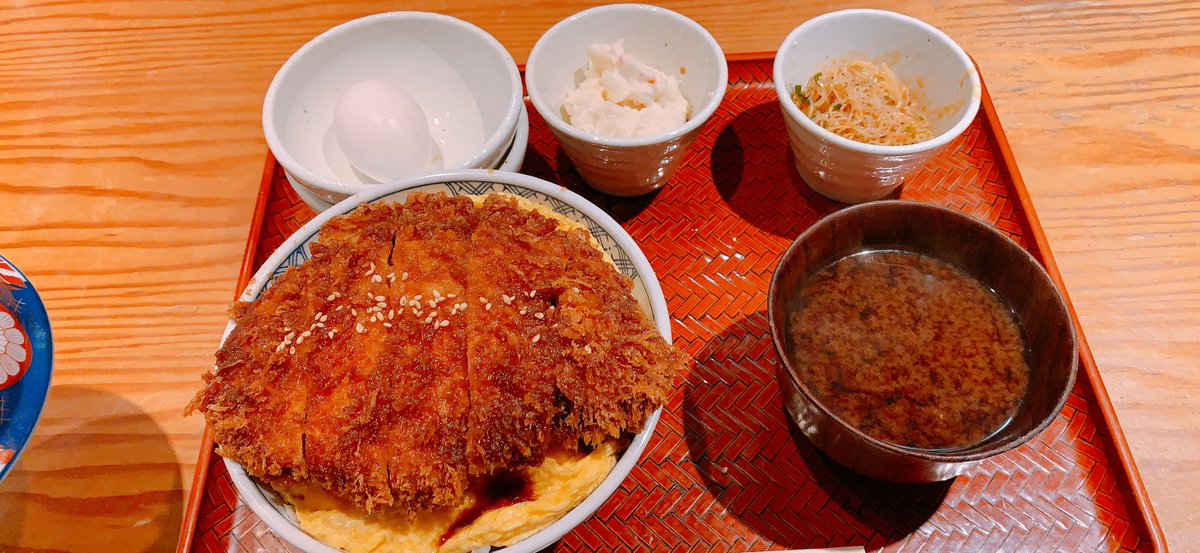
26, 357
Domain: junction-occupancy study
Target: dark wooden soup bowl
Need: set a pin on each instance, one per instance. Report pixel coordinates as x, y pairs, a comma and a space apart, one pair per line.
974, 247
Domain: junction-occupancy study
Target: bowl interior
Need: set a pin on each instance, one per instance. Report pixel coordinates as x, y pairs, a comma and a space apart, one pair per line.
925, 59
465, 82
977, 249
662, 39
626, 255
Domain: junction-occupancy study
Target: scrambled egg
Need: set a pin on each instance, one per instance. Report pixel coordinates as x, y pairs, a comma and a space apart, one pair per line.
559, 484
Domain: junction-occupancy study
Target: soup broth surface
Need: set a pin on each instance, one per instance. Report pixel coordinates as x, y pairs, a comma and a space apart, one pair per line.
909, 349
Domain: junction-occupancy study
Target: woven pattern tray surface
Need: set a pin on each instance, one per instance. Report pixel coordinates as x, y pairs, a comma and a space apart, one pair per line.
726, 470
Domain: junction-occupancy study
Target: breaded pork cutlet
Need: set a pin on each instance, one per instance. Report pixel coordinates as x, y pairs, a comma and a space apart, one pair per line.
564, 353
428, 343
253, 400
625, 366
343, 357
516, 369
424, 410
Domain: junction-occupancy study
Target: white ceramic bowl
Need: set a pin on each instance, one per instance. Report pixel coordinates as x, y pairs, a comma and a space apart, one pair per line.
514, 158
463, 78
608, 233
662, 39
919, 54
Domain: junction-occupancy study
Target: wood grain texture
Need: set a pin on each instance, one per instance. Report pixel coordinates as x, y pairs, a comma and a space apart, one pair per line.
131, 151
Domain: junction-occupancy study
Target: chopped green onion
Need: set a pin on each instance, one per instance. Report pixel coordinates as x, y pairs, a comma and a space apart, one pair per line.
800, 94
837, 106
817, 78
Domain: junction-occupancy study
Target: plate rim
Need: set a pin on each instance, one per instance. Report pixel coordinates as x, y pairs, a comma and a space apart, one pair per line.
39, 311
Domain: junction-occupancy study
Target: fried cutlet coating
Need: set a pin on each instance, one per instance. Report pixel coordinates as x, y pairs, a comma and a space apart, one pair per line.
516, 369
625, 366
444, 341
424, 415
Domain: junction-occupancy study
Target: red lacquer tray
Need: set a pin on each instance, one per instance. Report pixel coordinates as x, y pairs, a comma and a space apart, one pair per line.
726, 471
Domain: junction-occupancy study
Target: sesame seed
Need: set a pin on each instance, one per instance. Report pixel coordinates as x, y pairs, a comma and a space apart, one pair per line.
418, 297
391, 275
305, 334
376, 278
324, 318
318, 316
429, 319
292, 351
487, 307
451, 296
432, 303
319, 325
404, 276
300, 340
340, 307
285, 329
507, 299
387, 325
587, 348
381, 305
482, 299
391, 314
540, 315
532, 293
403, 300
289, 336
537, 337
380, 298
358, 327
331, 297
444, 323
330, 334
354, 312
522, 310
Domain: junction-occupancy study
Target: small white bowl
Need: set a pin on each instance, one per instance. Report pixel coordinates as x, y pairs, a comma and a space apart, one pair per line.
514, 158
278, 515
662, 39
462, 77
919, 54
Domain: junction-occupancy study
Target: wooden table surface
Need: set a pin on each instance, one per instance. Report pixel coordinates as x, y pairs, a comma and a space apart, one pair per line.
131, 152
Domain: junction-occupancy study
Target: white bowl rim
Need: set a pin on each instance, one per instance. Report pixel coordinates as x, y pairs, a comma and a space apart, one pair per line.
498, 139
784, 93
254, 496
699, 117
510, 162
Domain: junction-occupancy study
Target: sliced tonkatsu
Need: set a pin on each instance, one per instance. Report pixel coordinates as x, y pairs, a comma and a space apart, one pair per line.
430, 343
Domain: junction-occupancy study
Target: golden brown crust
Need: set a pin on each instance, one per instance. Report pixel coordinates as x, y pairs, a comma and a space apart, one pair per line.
465, 340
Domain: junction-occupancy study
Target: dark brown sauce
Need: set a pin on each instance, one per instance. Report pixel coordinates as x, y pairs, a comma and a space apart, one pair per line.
909, 350
500, 490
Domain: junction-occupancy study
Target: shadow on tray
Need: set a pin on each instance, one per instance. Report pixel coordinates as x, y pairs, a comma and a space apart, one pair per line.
752, 169
763, 471
558, 169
